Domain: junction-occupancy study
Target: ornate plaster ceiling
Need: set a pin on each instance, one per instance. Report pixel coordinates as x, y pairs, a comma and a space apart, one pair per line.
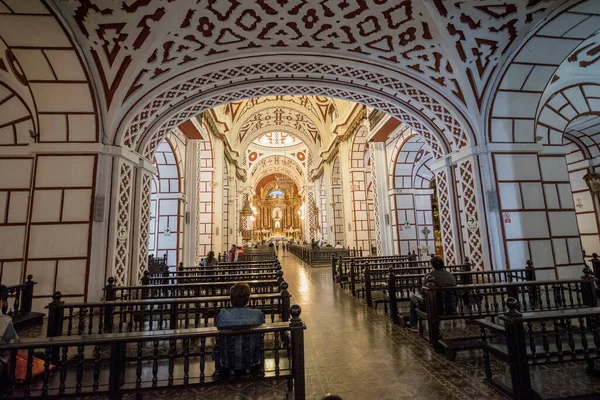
448, 49
277, 139
133, 44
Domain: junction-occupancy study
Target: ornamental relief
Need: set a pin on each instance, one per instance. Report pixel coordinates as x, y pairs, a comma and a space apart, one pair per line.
133, 43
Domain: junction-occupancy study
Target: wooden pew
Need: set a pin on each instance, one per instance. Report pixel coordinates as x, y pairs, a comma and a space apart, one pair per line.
321, 256
235, 264
153, 314
357, 271
250, 254
113, 292
231, 277
475, 301
400, 287
340, 266
241, 270
97, 364
19, 310
525, 339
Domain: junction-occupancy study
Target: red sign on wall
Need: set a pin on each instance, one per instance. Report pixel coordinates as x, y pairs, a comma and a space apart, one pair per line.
507, 219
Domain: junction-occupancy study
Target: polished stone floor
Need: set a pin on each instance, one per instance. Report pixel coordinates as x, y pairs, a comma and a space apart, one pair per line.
356, 352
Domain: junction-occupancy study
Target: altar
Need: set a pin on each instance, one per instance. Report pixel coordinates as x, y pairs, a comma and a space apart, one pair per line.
277, 204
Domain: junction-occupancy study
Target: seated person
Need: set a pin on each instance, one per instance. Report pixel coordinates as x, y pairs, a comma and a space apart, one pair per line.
441, 278
210, 260
7, 333
339, 246
239, 316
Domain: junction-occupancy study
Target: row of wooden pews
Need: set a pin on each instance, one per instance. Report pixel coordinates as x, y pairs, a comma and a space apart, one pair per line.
160, 334
509, 314
322, 256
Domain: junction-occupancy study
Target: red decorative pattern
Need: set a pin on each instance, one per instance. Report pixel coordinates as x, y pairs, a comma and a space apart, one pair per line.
123, 224
135, 45
144, 224
468, 207
485, 34
445, 217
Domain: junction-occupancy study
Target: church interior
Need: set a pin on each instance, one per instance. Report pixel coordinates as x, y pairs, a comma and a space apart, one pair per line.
299, 199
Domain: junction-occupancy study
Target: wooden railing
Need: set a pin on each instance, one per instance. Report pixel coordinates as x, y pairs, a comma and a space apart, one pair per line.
116, 364
340, 266
152, 314
321, 255
112, 292
488, 301
232, 277
536, 338
218, 270
19, 305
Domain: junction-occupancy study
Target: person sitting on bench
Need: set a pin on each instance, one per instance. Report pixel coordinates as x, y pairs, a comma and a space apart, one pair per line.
441, 278
239, 316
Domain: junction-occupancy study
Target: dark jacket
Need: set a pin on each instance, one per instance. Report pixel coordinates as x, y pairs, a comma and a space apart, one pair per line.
238, 359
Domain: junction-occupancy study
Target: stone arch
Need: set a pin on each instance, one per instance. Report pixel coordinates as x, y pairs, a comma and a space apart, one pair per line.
267, 168
285, 153
16, 118
168, 204
411, 202
586, 203
531, 222
428, 124
53, 228
562, 108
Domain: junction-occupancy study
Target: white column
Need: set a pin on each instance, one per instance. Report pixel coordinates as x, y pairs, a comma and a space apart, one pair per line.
189, 241
327, 170
141, 221
449, 222
122, 206
218, 150
344, 154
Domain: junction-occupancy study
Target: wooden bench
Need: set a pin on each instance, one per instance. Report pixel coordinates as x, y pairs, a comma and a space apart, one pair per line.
19, 304
340, 266
400, 287
112, 292
241, 270
525, 339
153, 314
156, 264
250, 254
233, 277
234, 264
96, 365
357, 271
321, 256
477, 301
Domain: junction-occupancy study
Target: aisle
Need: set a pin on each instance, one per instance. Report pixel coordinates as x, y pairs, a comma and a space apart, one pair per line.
355, 352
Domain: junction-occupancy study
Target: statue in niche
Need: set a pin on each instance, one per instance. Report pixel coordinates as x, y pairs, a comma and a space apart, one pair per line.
277, 225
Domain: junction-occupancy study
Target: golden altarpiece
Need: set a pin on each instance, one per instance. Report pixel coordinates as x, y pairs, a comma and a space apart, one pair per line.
278, 210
